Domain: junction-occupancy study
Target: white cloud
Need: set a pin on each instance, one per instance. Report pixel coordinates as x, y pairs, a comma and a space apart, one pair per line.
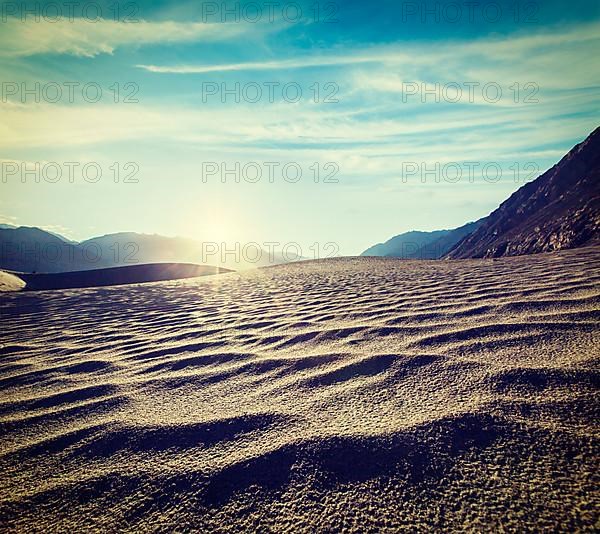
81, 37
524, 48
313, 61
264, 132
371, 130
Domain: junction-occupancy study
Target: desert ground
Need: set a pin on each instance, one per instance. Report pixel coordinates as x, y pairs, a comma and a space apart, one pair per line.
356, 394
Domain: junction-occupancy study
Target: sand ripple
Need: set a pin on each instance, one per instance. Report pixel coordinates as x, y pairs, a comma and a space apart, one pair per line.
362, 394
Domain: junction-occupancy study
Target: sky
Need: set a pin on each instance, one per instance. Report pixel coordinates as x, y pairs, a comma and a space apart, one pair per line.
304, 122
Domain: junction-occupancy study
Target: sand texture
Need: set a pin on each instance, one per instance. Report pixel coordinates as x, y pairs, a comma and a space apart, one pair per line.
364, 394
10, 282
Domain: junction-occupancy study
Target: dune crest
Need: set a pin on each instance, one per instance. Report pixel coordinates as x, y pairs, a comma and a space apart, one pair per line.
114, 276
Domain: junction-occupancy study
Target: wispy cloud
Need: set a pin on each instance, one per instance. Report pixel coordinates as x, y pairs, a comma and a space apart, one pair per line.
81, 37
496, 50
318, 61
451, 134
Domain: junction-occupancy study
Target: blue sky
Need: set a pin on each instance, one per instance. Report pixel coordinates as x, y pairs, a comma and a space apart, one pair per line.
371, 62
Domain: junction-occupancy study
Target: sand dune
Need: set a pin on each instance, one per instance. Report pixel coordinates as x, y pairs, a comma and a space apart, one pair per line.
131, 274
362, 394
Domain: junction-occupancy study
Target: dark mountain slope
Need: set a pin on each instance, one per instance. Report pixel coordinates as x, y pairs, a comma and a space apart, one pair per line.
558, 210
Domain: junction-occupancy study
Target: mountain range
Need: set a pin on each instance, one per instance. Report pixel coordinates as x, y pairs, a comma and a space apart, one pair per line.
422, 245
31, 249
558, 210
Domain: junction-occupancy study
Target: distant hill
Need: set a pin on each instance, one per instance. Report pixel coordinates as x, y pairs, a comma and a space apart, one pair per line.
126, 247
445, 243
30, 249
404, 245
558, 210
421, 245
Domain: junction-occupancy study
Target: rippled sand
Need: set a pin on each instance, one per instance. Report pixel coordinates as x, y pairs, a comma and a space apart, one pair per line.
365, 394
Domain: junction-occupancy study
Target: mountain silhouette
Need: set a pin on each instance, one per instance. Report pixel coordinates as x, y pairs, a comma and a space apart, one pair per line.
418, 245
31, 249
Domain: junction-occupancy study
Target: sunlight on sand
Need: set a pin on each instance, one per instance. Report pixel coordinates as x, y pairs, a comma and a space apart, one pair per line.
318, 395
